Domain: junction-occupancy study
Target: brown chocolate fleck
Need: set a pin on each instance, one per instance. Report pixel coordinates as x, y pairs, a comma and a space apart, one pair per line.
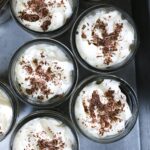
108, 41
55, 144
83, 35
40, 97
49, 70
45, 25
109, 94
36, 5
83, 27
107, 113
28, 69
85, 107
39, 11
29, 91
95, 102
42, 55
35, 61
39, 76
29, 17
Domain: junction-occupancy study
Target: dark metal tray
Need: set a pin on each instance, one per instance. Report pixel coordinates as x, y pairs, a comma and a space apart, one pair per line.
12, 37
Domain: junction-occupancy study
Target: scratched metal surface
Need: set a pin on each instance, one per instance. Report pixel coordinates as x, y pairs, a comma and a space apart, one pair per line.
12, 37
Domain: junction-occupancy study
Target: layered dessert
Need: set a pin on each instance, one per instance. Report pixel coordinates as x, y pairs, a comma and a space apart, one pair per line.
43, 15
44, 134
6, 113
44, 71
101, 109
103, 38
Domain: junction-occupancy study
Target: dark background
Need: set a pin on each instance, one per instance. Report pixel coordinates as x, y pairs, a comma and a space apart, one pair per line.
141, 10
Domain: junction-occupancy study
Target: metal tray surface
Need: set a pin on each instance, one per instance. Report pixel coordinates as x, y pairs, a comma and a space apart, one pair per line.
12, 37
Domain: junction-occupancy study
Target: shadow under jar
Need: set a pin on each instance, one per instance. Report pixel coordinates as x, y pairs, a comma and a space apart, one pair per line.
43, 73
44, 130
104, 38
4, 11
104, 108
45, 17
8, 111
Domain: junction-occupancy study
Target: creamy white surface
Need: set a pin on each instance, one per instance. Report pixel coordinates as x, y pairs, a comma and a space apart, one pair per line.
90, 52
6, 112
40, 127
53, 54
60, 14
82, 116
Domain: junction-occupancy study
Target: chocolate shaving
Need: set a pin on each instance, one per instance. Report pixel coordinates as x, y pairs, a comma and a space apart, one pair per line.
45, 25
108, 41
29, 91
85, 107
83, 27
95, 102
43, 12
38, 77
107, 113
55, 144
40, 97
42, 55
35, 61
36, 5
83, 35
40, 10
28, 69
1, 133
29, 17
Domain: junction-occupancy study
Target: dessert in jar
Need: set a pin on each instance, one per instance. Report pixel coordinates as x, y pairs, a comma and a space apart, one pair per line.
44, 71
101, 109
6, 113
104, 37
43, 15
44, 130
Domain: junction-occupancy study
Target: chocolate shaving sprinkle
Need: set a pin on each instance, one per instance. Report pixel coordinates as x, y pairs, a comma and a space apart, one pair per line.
39, 11
29, 91
35, 61
36, 5
29, 17
106, 113
45, 25
38, 76
55, 144
83, 27
28, 69
108, 40
42, 55
85, 107
43, 12
84, 35
40, 97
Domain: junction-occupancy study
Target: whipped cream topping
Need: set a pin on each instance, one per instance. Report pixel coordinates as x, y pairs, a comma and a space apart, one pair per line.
43, 72
44, 134
43, 15
101, 109
6, 113
104, 38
